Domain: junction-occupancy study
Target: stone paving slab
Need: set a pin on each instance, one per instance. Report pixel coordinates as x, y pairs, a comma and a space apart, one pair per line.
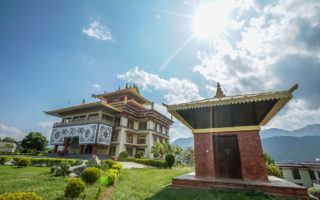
130, 165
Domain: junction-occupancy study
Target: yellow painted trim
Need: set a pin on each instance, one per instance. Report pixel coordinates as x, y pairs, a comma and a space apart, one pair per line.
178, 116
227, 129
280, 103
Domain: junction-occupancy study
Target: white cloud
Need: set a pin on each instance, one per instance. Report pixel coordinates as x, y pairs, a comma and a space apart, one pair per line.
296, 115
45, 125
268, 45
10, 131
97, 86
98, 31
176, 90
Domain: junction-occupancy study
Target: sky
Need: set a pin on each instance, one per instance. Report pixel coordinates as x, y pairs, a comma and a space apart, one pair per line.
54, 54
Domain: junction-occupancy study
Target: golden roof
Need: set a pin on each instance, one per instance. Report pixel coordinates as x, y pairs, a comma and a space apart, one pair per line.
58, 112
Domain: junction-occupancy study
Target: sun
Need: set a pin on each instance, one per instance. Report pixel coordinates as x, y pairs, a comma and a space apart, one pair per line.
210, 19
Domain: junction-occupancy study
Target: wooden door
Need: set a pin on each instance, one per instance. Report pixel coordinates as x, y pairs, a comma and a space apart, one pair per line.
227, 157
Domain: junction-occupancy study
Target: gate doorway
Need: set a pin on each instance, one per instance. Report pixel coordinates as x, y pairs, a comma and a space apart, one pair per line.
227, 162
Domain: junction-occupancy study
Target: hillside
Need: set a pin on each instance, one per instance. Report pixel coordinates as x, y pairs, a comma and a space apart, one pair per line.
297, 145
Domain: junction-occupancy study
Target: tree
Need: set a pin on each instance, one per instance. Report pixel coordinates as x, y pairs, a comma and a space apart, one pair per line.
188, 156
8, 139
268, 159
34, 141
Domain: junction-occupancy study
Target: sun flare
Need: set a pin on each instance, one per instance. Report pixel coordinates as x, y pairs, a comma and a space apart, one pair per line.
210, 19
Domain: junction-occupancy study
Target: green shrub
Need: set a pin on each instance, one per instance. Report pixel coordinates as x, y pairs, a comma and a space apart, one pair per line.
20, 196
123, 155
137, 155
274, 171
117, 166
63, 167
108, 163
4, 159
91, 175
23, 162
169, 160
74, 188
112, 176
314, 191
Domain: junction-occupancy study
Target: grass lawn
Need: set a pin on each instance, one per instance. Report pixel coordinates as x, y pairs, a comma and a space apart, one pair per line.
39, 180
150, 184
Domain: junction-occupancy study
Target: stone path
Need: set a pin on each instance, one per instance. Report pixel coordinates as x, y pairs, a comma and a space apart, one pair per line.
129, 165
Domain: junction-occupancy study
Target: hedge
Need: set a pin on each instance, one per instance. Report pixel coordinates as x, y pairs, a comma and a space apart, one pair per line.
50, 161
20, 196
4, 159
154, 163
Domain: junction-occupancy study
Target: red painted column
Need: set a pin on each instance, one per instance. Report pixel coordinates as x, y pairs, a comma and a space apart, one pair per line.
55, 149
94, 149
66, 144
81, 148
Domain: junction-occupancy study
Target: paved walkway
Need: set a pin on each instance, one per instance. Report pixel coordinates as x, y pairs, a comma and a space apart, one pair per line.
129, 165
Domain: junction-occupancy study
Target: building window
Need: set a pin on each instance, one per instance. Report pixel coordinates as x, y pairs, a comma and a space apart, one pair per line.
312, 175
93, 117
112, 151
117, 121
130, 124
161, 140
107, 118
79, 118
296, 174
319, 174
154, 126
130, 151
141, 140
114, 137
129, 138
140, 152
66, 120
142, 125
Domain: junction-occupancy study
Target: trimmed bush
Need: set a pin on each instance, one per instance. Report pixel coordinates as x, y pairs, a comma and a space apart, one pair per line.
112, 176
154, 163
123, 155
117, 166
169, 160
20, 196
74, 188
274, 171
314, 191
91, 175
137, 155
23, 162
4, 159
108, 163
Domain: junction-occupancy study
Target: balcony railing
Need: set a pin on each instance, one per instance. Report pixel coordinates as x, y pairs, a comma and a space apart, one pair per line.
85, 121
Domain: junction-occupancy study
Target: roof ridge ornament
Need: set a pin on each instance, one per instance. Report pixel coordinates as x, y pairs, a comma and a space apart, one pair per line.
219, 92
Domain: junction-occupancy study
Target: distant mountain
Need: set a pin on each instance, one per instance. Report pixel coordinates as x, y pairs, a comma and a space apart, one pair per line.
184, 142
297, 145
310, 130
288, 148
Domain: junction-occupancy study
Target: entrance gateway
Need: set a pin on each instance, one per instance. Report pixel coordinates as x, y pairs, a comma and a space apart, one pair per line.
227, 156
227, 146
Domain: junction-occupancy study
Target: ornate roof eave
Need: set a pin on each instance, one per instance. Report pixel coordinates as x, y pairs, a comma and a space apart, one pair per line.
229, 100
81, 106
283, 96
132, 90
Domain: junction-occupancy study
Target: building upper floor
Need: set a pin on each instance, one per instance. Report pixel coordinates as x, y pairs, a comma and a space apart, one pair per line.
123, 108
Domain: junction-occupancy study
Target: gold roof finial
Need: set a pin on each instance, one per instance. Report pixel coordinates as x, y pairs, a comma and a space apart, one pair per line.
219, 92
